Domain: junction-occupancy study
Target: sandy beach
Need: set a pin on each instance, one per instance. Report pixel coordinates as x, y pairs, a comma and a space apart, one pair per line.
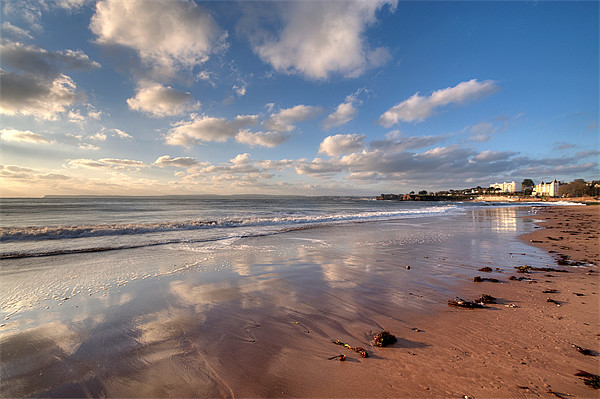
262, 325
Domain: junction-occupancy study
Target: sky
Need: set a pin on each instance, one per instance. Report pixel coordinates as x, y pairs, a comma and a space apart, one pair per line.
125, 97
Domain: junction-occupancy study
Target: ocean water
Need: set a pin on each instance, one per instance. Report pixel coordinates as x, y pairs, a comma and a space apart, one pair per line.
44, 227
108, 293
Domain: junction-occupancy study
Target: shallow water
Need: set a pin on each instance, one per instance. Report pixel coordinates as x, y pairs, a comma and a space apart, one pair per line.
228, 317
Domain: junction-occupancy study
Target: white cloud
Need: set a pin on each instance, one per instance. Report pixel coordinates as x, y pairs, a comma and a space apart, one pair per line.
88, 147
93, 114
98, 137
33, 84
321, 38
204, 128
241, 159
207, 77
419, 108
167, 36
75, 117
343, 114
25, 136
396, 142
341, 144
275, 164
26, 95
493, 156
263, 139
240, 90
41, 62
107, 163
318, 167
9, 29
121, 134
180, 162
29, 12
71, 4
15, 172
284, 120
160, 101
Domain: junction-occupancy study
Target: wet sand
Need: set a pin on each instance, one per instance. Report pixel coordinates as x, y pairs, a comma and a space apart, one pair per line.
262, 325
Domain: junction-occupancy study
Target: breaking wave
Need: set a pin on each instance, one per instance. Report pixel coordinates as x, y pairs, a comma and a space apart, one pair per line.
11, 234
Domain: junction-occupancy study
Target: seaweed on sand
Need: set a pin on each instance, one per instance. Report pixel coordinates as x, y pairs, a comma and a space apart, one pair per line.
358, 349
384, 338
589, 379
480, 279
462, 303
485, 298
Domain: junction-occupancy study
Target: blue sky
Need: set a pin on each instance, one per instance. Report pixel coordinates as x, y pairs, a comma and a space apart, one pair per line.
316, 98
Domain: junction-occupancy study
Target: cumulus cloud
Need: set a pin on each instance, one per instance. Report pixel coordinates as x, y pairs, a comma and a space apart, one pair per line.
15, 172
180, 162
395, 142
341, 144
241, 159
418, 108
493, 156
318, 167
343, 114
275, 164
33, 85
317, 39
159, 101
204, 128
167, 36
284, 120
25, 136
41, 62
262, 139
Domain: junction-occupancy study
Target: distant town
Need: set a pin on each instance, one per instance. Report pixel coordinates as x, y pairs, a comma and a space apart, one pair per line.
526, 189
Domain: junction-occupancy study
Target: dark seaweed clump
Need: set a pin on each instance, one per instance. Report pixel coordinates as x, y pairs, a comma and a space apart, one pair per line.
384, 338
589, 379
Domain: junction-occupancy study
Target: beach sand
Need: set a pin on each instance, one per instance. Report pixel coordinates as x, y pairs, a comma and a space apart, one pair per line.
263, 324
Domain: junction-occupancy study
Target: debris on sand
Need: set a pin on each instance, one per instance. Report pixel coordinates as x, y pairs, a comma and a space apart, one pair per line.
551, 291
480, 279
485, 269
341, 358
583, 351
558, 395
589, 379
462, 303
384, 338
358, 349
485, 298
553, 301
529, 280
527, 269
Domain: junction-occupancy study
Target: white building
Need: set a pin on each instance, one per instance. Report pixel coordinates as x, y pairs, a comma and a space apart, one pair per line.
505, 187
546, 189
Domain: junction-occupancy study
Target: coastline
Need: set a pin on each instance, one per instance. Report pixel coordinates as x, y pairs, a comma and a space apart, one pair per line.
266, 331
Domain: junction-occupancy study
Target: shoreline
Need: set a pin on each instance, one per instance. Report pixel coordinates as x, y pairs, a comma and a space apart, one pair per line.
268, 330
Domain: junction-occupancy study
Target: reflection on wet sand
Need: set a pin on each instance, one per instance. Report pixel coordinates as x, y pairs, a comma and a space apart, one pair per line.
499, 219
267, 313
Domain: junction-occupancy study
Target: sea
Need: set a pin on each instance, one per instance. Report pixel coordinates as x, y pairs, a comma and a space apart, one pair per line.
105, 291
58, 226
